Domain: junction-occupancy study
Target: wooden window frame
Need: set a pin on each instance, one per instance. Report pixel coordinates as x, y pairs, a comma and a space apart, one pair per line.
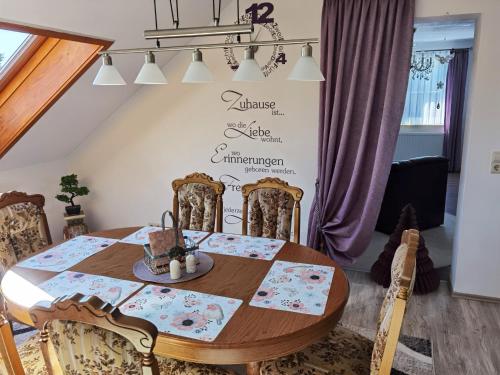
28, 71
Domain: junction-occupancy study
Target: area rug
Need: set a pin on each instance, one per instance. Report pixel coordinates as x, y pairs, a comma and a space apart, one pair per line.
413, 355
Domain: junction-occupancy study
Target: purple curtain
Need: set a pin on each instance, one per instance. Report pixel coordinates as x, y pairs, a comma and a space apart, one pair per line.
365, 56
456, 80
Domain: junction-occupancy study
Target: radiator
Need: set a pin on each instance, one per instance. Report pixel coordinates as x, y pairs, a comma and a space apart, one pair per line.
418, 144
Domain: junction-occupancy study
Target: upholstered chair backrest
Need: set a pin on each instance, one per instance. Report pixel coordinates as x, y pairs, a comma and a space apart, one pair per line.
403, 270
23, 227
269, 206
90, 336
198, 202
81, 347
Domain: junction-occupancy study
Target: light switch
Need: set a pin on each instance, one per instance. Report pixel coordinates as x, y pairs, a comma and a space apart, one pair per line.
495, 162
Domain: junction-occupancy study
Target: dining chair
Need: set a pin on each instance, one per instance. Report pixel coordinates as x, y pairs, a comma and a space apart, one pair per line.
26, 359
23, 227
90, 336
348, 353
272, 204
198, 202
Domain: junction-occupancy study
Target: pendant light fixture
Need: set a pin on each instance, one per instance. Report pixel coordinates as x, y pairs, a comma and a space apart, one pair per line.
249, 69
306, 68
150, 73
197, 71
108, 75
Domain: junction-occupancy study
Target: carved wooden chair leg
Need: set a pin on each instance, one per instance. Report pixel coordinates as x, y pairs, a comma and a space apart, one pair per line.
253, 368
149, 364
44, 346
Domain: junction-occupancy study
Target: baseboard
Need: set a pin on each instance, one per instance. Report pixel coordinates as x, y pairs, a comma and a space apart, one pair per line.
473, 297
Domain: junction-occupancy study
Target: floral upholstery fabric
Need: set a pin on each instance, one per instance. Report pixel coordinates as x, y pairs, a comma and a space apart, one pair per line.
270, 213
7, 254
31, 358
86, 349
342, 352
89, 350
388, 307
197, 206
21, 233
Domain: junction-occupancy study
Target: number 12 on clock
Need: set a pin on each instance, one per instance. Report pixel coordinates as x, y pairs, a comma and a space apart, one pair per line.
261, 18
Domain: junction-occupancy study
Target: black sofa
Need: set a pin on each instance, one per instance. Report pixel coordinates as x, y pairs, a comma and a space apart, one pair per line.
421, 182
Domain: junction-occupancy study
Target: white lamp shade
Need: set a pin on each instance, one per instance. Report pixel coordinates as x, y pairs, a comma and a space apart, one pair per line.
248, 70
306, 69
108, 75
197, 72
150, 74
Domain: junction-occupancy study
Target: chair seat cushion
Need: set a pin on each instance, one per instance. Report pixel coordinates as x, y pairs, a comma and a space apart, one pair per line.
342, 352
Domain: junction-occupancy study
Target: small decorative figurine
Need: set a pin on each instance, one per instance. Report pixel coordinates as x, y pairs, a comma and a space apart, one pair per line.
190, 263
175, 269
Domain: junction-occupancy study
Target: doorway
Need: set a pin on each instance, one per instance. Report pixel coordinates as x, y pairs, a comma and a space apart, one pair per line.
432, 128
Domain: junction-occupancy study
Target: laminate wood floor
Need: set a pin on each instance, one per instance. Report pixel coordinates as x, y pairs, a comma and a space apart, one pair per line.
465, 333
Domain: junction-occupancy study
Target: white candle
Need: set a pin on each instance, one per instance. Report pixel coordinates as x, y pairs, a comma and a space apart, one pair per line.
175, 269
190, 263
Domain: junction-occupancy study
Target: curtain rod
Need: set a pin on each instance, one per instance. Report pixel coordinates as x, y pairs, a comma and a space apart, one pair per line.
211, 46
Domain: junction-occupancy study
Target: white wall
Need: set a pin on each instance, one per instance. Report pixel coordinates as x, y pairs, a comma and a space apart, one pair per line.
166, 132
40, 179
476, 245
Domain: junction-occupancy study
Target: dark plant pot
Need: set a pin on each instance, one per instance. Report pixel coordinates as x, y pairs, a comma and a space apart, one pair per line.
73, 210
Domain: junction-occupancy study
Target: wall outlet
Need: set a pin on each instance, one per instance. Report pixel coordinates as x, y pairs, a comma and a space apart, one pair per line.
495, 162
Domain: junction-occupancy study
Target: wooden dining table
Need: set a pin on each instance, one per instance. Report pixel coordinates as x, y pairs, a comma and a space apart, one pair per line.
252, 335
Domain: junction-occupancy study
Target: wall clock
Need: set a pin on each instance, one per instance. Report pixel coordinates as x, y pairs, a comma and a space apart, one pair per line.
261, 15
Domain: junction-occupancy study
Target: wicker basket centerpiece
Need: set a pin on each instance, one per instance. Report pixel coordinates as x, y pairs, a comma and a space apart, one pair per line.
166, 245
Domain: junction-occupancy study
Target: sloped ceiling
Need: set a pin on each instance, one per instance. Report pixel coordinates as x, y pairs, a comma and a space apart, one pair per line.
84, 107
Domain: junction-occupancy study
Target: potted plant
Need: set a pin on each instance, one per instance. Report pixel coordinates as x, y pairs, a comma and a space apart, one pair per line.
69, 185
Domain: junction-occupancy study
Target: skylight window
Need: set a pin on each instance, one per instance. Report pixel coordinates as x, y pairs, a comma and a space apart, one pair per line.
12, 44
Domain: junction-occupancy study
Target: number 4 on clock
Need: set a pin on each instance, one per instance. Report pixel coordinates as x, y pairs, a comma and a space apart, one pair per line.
281, 58
261, 18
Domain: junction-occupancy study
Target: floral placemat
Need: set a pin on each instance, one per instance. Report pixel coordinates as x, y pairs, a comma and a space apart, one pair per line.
242, 246
108, 289
141, 237
67, 254
297, 287
182, 312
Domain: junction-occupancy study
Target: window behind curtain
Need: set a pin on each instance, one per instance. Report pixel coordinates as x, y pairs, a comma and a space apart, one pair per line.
423, 96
